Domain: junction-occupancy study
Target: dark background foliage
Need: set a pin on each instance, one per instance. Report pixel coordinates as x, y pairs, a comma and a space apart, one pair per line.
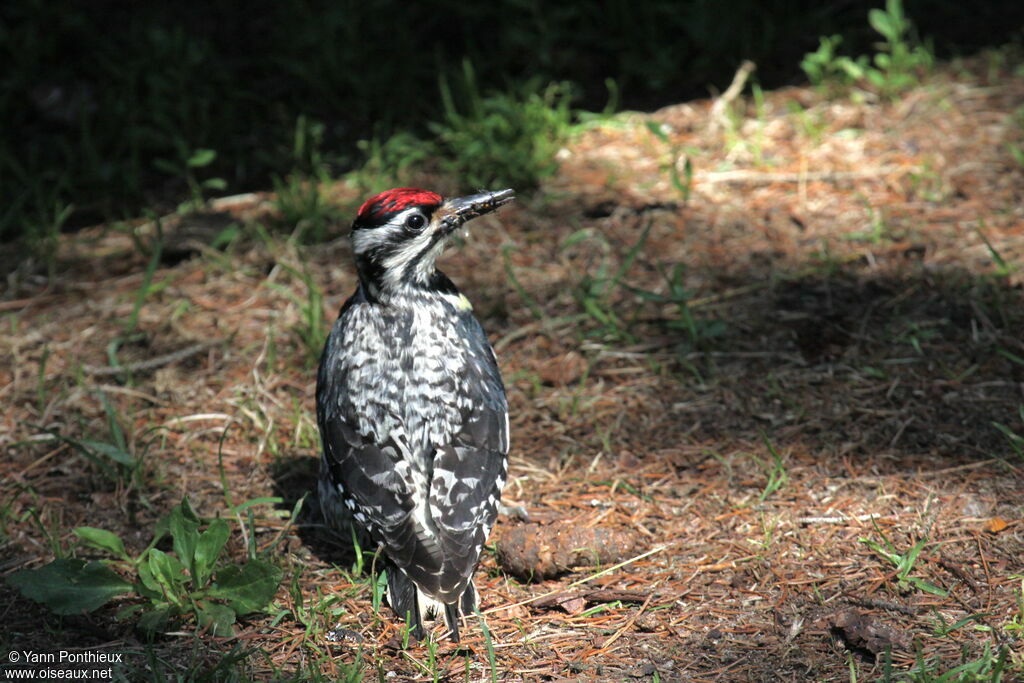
92, 94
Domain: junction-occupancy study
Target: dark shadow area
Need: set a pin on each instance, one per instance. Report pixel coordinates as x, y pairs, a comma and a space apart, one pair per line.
30, 628
295, 476
913, 367
111, 106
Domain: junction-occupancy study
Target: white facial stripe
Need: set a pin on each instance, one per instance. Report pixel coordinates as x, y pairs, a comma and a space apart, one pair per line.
368, 239
396, 262
425, 266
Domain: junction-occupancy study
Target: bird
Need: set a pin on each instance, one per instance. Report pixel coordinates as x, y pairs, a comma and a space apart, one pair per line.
411, 408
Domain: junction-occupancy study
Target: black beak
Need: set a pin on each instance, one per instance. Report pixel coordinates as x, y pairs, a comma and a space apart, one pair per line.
458, 210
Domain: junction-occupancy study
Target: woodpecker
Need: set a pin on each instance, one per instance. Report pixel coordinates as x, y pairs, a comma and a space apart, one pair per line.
412, 409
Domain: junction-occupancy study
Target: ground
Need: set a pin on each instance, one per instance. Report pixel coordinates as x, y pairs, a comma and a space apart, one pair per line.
764, 417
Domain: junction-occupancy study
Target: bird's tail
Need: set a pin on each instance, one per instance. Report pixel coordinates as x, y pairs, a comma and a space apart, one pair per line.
413, 605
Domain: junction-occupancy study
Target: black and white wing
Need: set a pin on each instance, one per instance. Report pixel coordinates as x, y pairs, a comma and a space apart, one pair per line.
470, 471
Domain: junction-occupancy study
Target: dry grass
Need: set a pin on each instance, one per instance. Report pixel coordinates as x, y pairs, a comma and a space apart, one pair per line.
850, 335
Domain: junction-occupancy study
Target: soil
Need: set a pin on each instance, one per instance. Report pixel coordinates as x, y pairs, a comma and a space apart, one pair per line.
735, 409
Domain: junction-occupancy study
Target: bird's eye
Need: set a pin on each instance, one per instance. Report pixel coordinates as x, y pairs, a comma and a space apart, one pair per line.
415, 221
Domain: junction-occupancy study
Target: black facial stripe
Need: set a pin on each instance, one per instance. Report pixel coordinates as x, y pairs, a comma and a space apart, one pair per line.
379, 219
410, 268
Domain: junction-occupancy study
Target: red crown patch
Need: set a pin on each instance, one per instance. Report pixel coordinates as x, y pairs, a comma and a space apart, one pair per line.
395, 200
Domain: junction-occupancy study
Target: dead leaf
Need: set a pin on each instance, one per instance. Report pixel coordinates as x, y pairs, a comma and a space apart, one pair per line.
573, 606
866, 632
995, 525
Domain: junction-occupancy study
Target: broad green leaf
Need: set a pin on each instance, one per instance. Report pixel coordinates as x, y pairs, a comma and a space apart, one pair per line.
155, 621
379, 588
226, 236
149, 586
187, 511
70, 586
112, 422
218, 618
928, 587
128, 611
102, 540
266, 500
201, 157
655, 129
578, 236
160, 531
247, 588
184, 526
169, 573
112, 451
208, 549
881, 22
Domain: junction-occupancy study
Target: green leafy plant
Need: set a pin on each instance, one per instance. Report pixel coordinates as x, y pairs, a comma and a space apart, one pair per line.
1003, 268
130, 328
811, 122
1016, 622
1016, 440
513, 280
899, 58
304, 208
298, 197
43, 229
388, 162
903, 563
877, 230
894, 69
594, 290
1015, 149
776, 473
498, 138
760, 110
312, 327
489, 644
943, 628
825, 65
185, 167
188, 581
1017, 152
501, 138
680, 318
682, 183
989, 667
114, 456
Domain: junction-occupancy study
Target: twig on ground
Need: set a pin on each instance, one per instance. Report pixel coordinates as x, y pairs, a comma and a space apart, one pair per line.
739, 81
594, 596
839, 519
629, 624
882, 604
546, 325
15, 304
149, 363
749, 177
614, 567
959, 572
